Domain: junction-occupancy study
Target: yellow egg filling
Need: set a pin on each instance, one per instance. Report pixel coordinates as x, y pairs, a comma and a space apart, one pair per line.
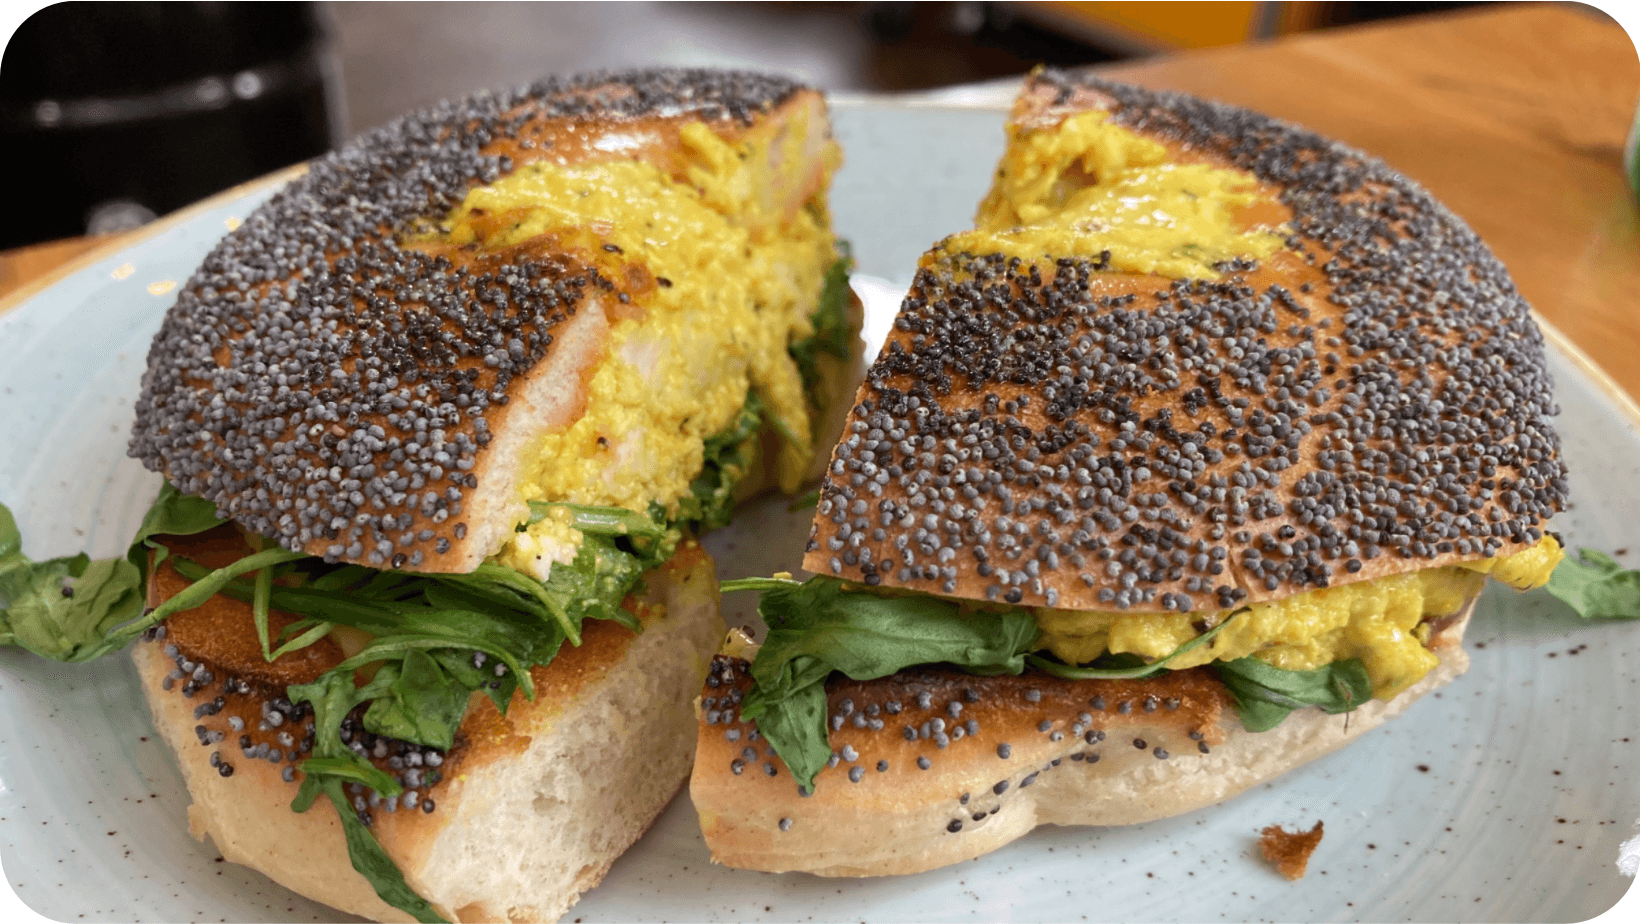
544, 543
731, 278
1087, 186
1383, 621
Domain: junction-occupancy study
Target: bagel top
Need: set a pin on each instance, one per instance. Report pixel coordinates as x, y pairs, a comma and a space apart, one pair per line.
333, 376
1053, 424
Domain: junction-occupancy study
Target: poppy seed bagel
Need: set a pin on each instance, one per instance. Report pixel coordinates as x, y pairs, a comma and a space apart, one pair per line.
1276, 445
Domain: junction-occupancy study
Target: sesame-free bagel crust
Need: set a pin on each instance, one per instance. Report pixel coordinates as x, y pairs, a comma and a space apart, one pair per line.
333, 387
1371, 400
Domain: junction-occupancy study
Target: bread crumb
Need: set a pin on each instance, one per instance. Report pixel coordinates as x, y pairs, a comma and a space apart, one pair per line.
1289, 853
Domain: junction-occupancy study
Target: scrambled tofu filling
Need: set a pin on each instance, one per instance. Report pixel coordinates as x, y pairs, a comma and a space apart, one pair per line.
544, 543
1384, 622
732, 279
1087, 186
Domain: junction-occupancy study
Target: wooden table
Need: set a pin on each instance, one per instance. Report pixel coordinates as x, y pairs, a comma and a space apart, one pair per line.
1514, 116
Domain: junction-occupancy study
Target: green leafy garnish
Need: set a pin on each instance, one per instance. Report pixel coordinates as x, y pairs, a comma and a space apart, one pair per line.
172, 514
327, 771
1265, 694
374, 864
62, 608
206, 586
817, 627
617, 547
1595, 586
728, 456
830, 319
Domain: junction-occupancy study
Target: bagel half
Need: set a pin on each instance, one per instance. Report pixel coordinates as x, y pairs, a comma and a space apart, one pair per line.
382, 362
1078, 752
528, 810
537, 340
1207, 397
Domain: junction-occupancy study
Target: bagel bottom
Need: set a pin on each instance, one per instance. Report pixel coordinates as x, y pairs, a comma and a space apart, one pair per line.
1017, 752
534, 807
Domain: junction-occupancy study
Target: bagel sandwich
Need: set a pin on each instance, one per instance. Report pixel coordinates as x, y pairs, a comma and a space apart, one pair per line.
1184, 467
422, 606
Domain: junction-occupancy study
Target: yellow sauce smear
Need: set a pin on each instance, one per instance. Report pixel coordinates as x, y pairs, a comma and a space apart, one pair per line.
1087, 186
741, 279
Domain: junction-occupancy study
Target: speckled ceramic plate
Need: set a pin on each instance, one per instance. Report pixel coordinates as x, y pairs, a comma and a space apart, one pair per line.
1501, 798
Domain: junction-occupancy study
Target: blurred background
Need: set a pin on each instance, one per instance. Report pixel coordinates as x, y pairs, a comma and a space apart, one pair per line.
120, 112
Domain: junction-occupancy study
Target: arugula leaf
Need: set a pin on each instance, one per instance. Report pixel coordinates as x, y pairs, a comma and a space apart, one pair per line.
427, 628
459, 665
173, 513
259, 609
424, 703
11, 539
459, 610
529, 590
352, 769
830, 319
727, 457
311, 631
341, 578
373, 863
617, 547
1127, 671
1595, 586
427, 636
194, 595
341, 607
817, 627
1266, 694
62, 608
332, 697
604, 521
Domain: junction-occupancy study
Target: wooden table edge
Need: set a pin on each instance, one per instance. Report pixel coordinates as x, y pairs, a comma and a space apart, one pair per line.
147, 232
1596, 373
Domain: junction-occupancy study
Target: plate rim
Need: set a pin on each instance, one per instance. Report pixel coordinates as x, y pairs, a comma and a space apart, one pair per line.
146, 233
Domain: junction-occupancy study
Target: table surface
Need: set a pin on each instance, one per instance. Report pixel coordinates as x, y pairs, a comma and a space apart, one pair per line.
1514, 116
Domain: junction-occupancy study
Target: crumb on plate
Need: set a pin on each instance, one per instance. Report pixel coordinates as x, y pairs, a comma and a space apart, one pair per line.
1288, 852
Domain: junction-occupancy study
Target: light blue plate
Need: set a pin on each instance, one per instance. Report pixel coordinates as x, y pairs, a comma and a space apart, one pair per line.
1503, 797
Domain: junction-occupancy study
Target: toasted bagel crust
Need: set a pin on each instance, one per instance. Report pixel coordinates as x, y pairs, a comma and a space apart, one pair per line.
1040, 751
531, 807
1371, 400
334, 386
